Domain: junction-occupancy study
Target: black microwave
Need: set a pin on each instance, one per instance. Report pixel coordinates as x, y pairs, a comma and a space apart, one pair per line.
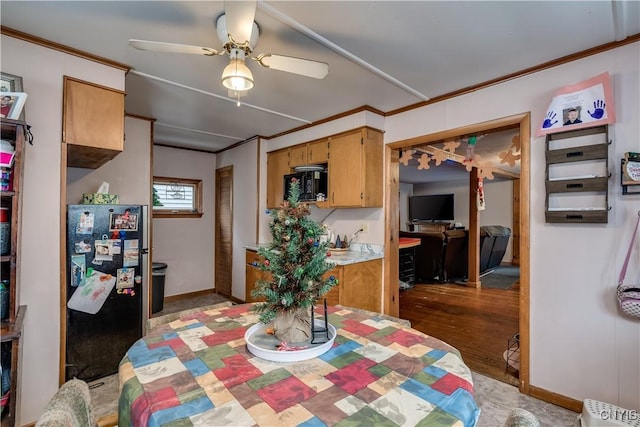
311, 183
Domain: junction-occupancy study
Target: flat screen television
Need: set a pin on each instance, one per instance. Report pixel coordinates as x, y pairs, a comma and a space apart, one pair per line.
433, 208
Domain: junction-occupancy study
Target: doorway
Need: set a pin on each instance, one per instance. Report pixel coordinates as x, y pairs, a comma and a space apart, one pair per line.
224, 231
521, 123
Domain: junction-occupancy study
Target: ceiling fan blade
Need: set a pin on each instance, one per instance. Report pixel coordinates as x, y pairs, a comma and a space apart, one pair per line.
239, 19
304, 67
172, 47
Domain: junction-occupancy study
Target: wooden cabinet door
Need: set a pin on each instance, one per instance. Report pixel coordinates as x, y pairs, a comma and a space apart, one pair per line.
253, 274
345, 170
355, 169
277, 168
318, 152
92, 123
298, 155
361, 286
372, 168
333, 296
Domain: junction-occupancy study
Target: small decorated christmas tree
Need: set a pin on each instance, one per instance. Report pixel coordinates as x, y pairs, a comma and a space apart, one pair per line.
297, 261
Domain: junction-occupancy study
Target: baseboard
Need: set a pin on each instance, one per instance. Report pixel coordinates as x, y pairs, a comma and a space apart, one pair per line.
237, 300
189, 295
555, 398
195, 294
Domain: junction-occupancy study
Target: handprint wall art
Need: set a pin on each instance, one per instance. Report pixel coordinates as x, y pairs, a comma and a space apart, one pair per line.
585, 104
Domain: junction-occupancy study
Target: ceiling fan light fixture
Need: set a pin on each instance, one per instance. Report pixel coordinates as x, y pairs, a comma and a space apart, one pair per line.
237, 76
221, 29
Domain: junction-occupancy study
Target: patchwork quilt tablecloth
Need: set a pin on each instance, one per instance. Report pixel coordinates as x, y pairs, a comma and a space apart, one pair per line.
197, 371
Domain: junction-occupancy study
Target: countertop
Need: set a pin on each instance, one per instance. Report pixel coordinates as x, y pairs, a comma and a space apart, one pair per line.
359, 252
408, 242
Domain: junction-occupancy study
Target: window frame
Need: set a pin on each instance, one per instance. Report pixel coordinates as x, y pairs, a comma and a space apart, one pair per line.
179, 213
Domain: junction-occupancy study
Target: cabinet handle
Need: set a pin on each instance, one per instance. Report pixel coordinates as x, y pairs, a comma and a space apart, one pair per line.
573, 217
578, 185
575, 154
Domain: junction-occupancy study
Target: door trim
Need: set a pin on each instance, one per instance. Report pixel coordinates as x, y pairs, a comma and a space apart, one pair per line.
520, 121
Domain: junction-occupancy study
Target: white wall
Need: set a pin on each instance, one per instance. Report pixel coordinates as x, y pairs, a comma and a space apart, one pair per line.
186, 244
128, 174
406, 190
581, 346
42, 73
244, 159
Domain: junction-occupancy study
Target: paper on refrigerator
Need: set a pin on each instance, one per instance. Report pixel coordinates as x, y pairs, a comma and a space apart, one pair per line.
91, 297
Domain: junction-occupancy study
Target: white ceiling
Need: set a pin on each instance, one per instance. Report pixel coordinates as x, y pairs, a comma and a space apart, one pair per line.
403, 53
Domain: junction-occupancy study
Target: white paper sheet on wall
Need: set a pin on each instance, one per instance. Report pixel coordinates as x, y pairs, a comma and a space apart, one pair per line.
91, 297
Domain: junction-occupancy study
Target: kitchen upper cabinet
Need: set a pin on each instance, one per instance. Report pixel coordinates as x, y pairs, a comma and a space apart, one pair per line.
318, 151
310, 153
92, 123
354, 163
355, 169
298, 155
277, 168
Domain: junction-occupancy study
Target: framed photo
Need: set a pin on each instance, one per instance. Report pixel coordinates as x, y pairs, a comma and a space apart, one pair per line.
10, 83
126, 221
11, 104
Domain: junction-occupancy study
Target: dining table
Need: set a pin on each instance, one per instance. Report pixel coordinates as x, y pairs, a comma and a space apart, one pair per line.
197, 371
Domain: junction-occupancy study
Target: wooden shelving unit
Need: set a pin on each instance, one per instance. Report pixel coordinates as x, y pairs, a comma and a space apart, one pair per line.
14, 131
587, 148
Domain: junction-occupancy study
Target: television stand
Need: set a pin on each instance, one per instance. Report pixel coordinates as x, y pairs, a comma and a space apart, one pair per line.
430, 227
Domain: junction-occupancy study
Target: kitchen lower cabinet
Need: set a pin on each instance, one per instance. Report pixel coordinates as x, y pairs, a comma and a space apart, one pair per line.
253, 274
359, 284
333, 296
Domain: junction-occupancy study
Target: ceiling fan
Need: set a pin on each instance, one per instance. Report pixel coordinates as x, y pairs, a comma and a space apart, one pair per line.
239, 33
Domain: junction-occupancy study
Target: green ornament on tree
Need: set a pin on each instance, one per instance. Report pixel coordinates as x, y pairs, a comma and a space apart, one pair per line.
297, 261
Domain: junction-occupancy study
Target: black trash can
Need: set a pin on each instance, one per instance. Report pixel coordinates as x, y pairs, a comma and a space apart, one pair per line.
159, 271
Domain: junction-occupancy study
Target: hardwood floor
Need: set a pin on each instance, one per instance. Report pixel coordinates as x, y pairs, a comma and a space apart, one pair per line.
478, 322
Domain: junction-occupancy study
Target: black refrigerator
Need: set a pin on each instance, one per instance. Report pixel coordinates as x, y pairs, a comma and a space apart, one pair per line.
105, 247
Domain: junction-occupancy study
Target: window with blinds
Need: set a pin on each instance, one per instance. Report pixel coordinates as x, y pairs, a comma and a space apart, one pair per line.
176, 197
